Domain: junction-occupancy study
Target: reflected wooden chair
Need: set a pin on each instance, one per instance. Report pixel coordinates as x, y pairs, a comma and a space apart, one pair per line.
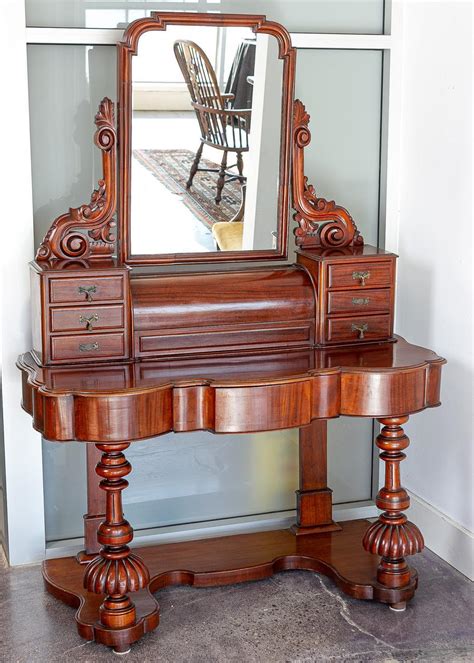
222, 127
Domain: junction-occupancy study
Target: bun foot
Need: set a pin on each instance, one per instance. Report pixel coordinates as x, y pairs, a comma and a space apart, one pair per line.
122, 650
398, 607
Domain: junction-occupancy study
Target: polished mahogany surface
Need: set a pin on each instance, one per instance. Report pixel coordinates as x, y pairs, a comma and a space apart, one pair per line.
230, 393
199, 313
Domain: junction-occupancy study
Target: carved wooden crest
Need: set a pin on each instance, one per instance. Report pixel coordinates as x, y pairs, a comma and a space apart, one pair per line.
321, 223
86, 231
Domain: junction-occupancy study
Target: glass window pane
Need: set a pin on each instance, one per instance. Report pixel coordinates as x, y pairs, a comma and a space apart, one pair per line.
196, 477
66, 85
341, 90
339, 16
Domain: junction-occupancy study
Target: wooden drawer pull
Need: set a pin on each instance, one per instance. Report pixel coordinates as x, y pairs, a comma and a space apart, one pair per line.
361, 276
88, 321
87, 291
88, 347
360, 328
360, 301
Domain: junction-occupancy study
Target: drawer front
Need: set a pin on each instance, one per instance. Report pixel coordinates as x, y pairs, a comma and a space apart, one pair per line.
360, 275
362, 328
85, 346
86, 291
218, 340
357, 303
91, 318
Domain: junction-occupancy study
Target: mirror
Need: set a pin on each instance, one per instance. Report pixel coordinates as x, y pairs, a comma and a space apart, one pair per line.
205, 110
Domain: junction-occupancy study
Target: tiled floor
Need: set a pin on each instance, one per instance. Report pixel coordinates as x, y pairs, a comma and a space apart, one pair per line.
295, 616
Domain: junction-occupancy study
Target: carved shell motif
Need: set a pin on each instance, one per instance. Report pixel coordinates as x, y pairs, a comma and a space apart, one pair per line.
86, 231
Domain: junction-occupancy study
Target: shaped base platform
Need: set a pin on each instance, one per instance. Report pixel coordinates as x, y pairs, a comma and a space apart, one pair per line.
226, 560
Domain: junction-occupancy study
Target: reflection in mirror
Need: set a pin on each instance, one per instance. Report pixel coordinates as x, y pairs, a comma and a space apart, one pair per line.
207, 105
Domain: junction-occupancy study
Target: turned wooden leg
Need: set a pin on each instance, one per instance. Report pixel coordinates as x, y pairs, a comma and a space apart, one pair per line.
194, 166
240, 166
221, 178
393, 536
314, 498
116, 571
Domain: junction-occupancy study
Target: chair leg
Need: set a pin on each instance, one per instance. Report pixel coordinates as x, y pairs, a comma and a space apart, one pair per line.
194, 166
221, 178
240, 166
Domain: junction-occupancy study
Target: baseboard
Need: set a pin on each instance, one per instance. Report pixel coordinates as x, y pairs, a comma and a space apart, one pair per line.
3, 522
445, 537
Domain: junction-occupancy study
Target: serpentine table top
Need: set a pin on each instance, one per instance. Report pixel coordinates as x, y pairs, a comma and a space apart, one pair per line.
228, 393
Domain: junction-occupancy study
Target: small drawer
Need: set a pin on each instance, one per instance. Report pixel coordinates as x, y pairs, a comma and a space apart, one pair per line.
87, 347
70, 290
91, 318
372, 301
360, 275
367, 328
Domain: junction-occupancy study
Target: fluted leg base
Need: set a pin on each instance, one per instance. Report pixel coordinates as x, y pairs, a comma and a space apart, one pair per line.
392, 536
116, 571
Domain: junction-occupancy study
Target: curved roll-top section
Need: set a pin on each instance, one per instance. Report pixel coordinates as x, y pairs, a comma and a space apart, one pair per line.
173, 300
221, 311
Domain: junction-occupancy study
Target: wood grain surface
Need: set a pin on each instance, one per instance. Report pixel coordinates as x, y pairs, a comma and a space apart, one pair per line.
125, 402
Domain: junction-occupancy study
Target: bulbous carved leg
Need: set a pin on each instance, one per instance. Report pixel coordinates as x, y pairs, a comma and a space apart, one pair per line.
116, 571
393, 536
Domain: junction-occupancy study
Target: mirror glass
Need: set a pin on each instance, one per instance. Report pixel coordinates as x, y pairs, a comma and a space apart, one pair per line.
205, 140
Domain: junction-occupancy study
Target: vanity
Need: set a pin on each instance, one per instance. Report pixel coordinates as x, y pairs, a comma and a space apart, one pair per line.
168, 303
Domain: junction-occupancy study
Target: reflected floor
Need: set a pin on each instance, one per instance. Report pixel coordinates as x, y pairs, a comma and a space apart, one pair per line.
161, 223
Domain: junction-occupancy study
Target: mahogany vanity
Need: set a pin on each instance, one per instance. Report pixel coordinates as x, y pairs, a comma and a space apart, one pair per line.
121, 355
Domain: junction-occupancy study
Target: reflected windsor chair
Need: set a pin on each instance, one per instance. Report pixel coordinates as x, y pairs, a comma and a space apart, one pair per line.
222, 127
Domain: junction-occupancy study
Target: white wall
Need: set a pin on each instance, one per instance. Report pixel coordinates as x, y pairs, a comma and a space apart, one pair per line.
434, 296
22, 445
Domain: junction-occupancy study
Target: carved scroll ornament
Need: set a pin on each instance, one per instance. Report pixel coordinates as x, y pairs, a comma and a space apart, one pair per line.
321, 223
86, 231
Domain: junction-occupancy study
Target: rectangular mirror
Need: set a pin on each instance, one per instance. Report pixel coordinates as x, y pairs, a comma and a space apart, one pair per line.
204, 130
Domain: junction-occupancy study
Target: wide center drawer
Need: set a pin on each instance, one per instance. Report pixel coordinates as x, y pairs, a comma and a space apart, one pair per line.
360, 275
81, 347
80, 318
369, 301
87, 291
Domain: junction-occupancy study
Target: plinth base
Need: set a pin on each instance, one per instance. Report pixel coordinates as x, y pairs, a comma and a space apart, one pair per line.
226, 560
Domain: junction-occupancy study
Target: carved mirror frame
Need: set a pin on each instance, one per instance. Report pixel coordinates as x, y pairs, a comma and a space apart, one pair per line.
88, 231
127, 48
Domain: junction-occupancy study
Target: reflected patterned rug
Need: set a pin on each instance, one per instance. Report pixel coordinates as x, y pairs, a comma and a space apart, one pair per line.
171, 168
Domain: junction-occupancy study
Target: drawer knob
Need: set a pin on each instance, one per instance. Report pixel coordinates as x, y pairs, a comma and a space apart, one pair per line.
87, 291
360, 328
361, 276
89, 320
360, 301
88, 347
